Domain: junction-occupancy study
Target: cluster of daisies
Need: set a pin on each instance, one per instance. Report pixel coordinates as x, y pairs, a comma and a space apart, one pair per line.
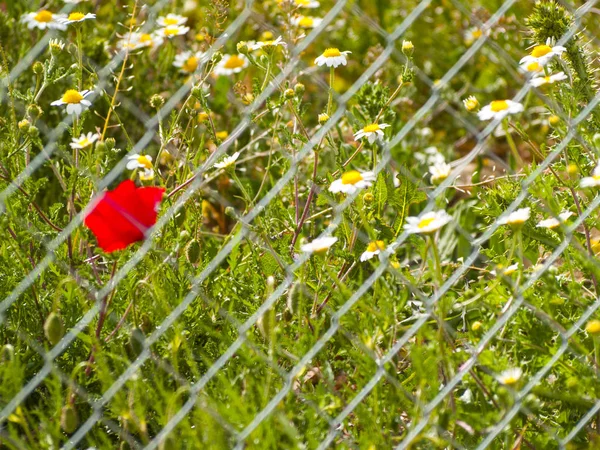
44, 19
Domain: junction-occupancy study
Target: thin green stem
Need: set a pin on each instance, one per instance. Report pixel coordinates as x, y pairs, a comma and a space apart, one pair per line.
331, 82
79, 55
511, 144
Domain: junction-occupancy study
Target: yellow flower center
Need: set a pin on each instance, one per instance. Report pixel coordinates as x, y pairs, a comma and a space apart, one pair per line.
371, 128
510, 380
547, 79
221, 135
540, 50
302, 2
191, 64
234, 62
171, 21
476, 34
499, 105
306, 22
593, 327
331, 53
76, 16
84, 142
72, 96
146, 176
267, 35
171, 31
376, 245
43, 16
144, 161
351, 177
145, 38
596, 177
425, 222
533, 67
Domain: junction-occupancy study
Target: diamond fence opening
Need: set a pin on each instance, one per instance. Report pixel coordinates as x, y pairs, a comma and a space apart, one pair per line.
299, 224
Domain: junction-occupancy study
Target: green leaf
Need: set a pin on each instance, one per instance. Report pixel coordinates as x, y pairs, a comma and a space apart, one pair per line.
405, 195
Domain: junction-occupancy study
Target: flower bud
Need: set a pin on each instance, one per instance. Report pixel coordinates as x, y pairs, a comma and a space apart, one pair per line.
110, 143
289, 94
193, 251
157, 101
408, 48
553, 120
323, 118
242, 47
216, 57
471, 103
476, 326
69, 419
593, 327
368, 198
54, 328
23, 125
38, 68
230, 212
572, 169
34, 111
198, 92
247, 98
202, 117
33, 131
7, 354
299, 89
100, 147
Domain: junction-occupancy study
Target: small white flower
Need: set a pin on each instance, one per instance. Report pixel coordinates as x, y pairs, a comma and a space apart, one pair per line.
319, 245
499, 109
171, 31
506, 271
554, 222
510, 377
439, 172
301, 3
306, 21
76, 17
56, 44
375, 248
43, 19
271, 43
427, 223
531, 68
146, 174
74, 100
332, 57
515, 218
84, 140
228, 161
352, 182
137, 161
472, 34
170, 20
550, 79
187, 61
592, 181
231, 64
542, 54
134, 41
372, 132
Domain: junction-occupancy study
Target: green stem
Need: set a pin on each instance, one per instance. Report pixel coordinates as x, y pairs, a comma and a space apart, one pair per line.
511, 143
267, 75
331, 81
438, 263
79, 55
242, 188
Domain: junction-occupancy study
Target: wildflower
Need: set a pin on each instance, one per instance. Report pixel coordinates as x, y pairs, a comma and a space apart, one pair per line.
227, 162
472, 34
171, 20
124, 215
376, 247
302, 3
76, 17
499, 109
408, 48
352, 182
134, 41
44, 19
550, 79
319, 245
74, 100
84, 140
171, 31
267, 43
322, 118
146, 174
471, 103
592, 181
231, 64
427, 223
516, 218
221, 135
306, 21
332, 57
188, 61
532, 67
593, 326
542, 54
553, 222
372, 132
139, 162
506, 271
510, 377
56, 45
439, 172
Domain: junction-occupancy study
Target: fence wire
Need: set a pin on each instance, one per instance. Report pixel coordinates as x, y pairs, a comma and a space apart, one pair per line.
197, 395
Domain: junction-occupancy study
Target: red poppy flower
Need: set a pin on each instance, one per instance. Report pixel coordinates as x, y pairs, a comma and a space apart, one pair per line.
124, 216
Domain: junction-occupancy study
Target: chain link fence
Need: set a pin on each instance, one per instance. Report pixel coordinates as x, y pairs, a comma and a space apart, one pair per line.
299, 397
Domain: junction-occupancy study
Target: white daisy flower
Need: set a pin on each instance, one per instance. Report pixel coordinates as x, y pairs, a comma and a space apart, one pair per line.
531, 68
187, 61
352, 182
85, 140
554, 222
76, 17
134, 41
228, 161
270, 43
75, 101
231, 64
319, 245
542, 54
592, 181
550, 79
472, 34
306, 21
372, 132
510, 377
137, 161
146, 174
499, 109
516, 218
170, 20
506, 271
427, 223
43, 19
439, 172
56, 44
375, 248
171, 31
302, 3
471, 103
332, 57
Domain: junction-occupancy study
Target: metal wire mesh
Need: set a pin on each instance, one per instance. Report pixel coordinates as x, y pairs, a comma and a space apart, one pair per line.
197, 394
